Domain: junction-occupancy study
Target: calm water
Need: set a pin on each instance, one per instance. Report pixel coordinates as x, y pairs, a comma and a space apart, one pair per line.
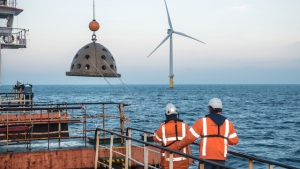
266, 117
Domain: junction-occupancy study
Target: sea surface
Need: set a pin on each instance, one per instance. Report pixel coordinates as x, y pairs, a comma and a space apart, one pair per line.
266, 117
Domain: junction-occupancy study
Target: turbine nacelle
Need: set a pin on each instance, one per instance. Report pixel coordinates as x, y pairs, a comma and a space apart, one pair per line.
170, 31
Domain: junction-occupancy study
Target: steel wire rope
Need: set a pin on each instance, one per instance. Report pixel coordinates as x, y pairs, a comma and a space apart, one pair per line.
116, 90
85, 110
94, 39
131, 93
95, 123
93, 10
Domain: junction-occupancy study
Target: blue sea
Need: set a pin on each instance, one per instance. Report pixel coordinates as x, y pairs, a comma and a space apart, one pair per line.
266, 117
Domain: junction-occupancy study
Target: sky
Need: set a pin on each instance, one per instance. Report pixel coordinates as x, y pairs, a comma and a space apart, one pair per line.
247, 42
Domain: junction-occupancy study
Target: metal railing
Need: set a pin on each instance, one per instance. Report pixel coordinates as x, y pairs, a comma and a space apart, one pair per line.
146, 146
271, 164
55, 113
19, 99
13, 37
10, 3
28, 116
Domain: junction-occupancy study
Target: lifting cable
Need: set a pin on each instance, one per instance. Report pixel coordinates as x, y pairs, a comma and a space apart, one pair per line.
119, 93
94, 42
131, 93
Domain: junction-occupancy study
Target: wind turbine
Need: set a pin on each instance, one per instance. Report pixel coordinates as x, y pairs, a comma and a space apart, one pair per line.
170, 32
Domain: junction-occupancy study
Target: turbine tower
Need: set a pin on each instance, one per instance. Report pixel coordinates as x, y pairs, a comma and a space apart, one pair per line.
170, 32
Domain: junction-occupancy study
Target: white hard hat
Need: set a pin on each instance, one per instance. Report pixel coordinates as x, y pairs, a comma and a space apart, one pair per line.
170, 109
215, 103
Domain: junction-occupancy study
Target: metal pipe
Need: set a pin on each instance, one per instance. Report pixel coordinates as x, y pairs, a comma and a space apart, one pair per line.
40, 122
171, 161
201, 165
48, 131
250, 162
75, 103
84, 127
51, 132
129, 135
234, 153
97, 149
59, 129
121, 113
128, 146
169, 150
146, 163
103, 119
72, 113
7, 131
52, 138
110, 150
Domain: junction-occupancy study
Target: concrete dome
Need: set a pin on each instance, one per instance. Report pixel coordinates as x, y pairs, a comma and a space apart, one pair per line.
90, 61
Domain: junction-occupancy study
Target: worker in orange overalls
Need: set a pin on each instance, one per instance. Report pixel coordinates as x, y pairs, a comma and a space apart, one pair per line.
169, 132
216, 133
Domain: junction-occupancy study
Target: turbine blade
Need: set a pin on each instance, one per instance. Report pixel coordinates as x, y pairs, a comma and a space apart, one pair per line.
182, 34
159, 44
170, 24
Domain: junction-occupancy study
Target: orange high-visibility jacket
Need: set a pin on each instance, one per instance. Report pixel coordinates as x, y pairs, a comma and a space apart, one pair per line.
166, 134
214, 142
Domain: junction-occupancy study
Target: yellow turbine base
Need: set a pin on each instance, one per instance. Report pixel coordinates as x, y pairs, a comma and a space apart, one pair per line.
171, 82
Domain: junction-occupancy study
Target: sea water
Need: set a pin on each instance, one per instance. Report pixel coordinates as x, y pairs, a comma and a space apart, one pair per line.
266, 117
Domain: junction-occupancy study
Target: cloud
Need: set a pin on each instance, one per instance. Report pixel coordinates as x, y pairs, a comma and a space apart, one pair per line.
297, 44
293, 51
242, 8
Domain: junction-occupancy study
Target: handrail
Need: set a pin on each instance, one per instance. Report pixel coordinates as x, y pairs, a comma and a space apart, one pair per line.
37, 108
33, 114
8, 122
21, 29
164, 148
79, 103
261, 160
65, 103
139, 130
237, 154
15, 93
11, 3
13, 38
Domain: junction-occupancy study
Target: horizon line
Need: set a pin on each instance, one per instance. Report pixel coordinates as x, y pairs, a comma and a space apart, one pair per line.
174, 85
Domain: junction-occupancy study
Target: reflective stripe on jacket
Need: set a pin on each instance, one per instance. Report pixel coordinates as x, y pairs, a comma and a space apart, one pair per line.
166, 134
214, 142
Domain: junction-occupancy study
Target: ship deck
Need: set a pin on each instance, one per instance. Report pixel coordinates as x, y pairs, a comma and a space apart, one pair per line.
69, 153
52, 149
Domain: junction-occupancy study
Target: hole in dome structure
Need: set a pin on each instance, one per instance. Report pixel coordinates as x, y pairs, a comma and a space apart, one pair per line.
76, 56
87, 67
103, 57
78, 66
105, 50
86, 47
112, 67
112, 58
72, 67
87, 56
104, 67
